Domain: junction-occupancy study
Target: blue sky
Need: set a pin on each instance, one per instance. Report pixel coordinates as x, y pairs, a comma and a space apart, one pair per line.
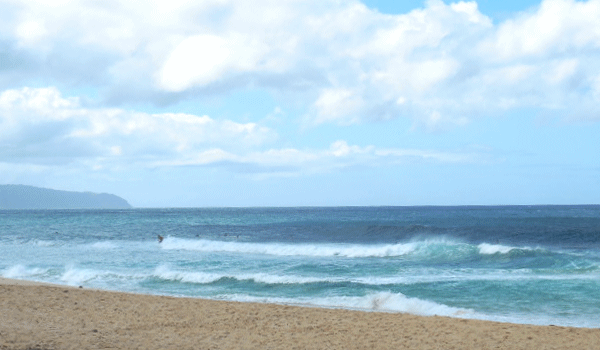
303, 103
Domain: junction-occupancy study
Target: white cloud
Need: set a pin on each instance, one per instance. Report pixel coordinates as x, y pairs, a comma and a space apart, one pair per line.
557, 27
39, 125
339, 105
471, 11
196, 60
41, 128
203, 59
341, 148
352, 63
31, 33
561, 70
340, 155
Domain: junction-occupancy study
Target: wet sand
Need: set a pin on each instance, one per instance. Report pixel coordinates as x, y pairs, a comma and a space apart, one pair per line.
39, 316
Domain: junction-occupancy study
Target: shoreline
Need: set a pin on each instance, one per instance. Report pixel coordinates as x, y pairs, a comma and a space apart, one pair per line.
46, 316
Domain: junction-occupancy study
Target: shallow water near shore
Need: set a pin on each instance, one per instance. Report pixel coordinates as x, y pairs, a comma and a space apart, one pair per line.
521, 264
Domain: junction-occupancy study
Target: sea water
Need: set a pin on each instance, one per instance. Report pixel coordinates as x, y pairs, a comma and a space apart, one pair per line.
521, 264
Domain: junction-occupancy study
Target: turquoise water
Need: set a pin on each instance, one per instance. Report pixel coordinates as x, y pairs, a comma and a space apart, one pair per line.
522, 264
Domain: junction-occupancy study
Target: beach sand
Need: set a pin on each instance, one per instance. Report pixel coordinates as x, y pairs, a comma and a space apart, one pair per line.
36, 316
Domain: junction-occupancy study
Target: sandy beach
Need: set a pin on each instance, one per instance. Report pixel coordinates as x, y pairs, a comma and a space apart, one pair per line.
38, 316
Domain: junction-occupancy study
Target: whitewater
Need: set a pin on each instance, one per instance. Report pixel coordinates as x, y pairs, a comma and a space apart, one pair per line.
520, 264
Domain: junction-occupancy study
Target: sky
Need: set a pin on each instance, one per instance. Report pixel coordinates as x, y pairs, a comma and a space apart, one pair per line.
303, 102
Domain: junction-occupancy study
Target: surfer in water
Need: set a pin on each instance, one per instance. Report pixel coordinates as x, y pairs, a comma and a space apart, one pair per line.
160, 238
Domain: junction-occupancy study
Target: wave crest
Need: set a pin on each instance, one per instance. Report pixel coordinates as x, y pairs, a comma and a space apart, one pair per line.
165, 273
378, 301
281, 249
22, 272
491, 249
423, 249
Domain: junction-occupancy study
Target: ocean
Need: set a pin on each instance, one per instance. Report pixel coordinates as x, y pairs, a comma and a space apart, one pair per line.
519, 264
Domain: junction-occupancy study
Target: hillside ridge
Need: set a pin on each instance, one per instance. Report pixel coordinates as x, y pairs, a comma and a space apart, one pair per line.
31, 197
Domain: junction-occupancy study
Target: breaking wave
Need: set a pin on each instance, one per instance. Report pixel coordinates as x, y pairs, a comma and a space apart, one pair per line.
378, 301
432, 248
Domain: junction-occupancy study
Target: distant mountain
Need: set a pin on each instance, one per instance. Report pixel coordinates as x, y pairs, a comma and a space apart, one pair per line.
29, 197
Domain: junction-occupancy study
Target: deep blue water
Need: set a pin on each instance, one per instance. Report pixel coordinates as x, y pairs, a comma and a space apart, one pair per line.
524, 264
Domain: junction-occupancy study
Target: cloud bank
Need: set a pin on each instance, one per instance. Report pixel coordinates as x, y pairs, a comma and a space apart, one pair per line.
440, 65
41, 127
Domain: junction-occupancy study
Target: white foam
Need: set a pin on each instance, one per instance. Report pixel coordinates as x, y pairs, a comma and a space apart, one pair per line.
281, 249
43, 243
103, 245
164, 272
290, 279
20, 271
380, 301
491, 249
76, 276
406, 278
